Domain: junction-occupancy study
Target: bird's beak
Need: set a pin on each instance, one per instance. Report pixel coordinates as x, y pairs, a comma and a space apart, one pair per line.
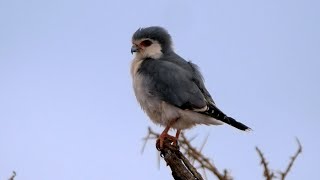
134, 48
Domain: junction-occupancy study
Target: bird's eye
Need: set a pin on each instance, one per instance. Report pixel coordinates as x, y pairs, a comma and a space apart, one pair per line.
146, 43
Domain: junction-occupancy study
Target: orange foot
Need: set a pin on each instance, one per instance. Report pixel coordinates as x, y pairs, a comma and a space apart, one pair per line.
163, 137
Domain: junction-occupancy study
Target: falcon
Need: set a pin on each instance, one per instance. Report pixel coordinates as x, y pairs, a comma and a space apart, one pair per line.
170, 89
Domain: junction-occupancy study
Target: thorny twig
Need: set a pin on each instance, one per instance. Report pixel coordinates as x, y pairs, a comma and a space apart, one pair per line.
193, 153
180, 167
268, 174
293, 158
205, 164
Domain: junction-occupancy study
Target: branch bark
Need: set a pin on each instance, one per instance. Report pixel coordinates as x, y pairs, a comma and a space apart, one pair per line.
180, 166
179, 162
182, 169
269, 174
293, 158
266, 171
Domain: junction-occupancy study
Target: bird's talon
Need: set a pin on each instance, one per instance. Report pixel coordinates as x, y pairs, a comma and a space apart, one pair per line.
165, 137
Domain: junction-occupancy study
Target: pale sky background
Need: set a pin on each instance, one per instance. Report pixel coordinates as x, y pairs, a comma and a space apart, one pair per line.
67, 109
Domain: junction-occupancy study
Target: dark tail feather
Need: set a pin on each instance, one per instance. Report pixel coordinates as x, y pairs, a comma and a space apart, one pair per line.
236, 124
218, 114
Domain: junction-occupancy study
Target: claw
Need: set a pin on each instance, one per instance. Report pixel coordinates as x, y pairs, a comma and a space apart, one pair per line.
163, 137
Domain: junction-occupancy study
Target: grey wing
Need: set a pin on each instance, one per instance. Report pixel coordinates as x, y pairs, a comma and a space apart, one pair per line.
174, 85
194, 70
198, 79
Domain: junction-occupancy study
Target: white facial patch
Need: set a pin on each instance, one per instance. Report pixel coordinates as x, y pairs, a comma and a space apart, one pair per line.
153, 51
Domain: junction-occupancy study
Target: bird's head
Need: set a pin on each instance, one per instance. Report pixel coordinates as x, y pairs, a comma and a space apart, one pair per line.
151, 42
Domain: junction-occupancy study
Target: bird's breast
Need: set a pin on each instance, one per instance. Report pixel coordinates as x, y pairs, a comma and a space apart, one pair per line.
148, 102
139, 85
135, 65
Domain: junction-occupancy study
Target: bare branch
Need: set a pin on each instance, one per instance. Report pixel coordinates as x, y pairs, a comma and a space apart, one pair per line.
268, 174
179, 164
146, 140
266, 171
192, 153
182, 168
293, 158
201, 159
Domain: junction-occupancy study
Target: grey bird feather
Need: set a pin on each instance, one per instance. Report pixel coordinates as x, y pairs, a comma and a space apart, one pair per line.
169, 87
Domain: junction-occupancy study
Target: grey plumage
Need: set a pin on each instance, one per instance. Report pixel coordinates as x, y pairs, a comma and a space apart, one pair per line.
173, 83
156, 33
170, 88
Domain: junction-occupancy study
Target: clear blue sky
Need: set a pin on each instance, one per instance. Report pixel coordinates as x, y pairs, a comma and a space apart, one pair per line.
67, 110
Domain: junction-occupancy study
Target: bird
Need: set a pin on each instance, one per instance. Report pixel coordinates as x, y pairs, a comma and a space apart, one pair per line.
170, 89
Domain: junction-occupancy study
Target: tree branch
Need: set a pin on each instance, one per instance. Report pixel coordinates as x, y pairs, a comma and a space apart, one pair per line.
201, 159
180, 165
182, 169
293, 158
266, 172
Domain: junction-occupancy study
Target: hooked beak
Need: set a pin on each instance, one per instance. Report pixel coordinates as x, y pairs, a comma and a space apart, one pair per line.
134, 48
